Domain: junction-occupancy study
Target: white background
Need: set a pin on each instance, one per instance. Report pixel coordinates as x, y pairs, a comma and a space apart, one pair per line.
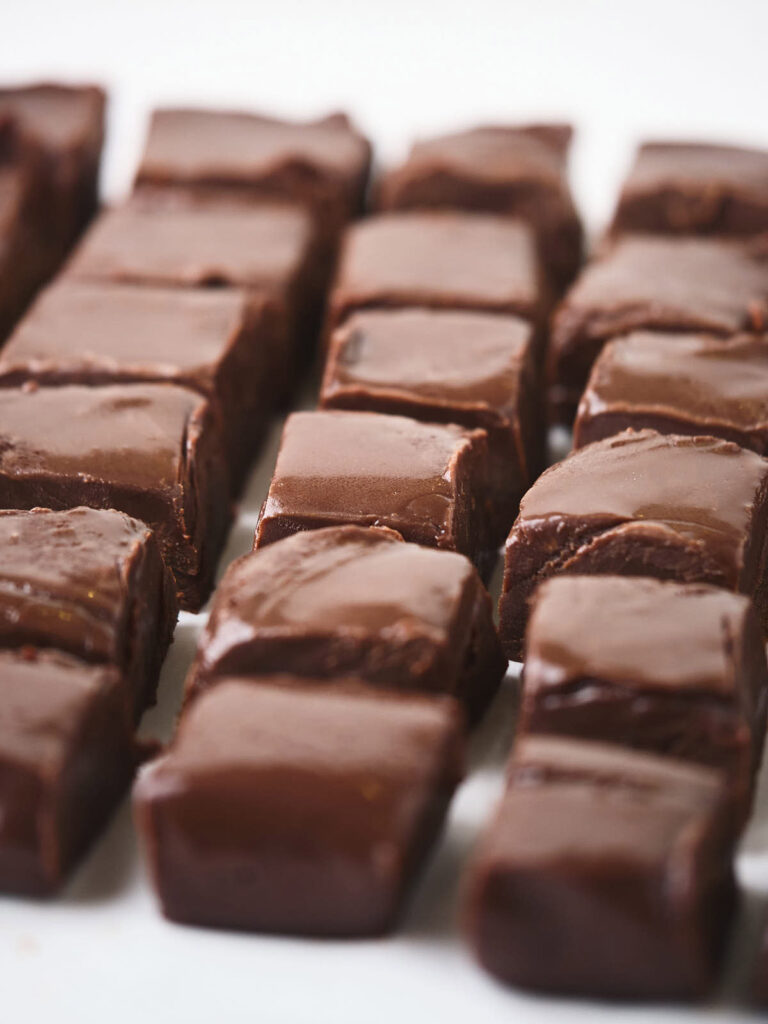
620, 70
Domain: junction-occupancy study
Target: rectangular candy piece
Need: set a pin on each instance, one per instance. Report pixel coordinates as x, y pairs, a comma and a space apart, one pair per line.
153, 451
321, 164
518, 171
439, 260
661, 284
66, 758
606, 873
224, 343
92, 583
691, 509
670, 668
291, 809
351, 601
695, 188
428, 481
679, 384
473, 369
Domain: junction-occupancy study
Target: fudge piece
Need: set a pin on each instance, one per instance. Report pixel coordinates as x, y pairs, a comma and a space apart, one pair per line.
428, 481
679, 384
153, 451
605, 873
66, 757
695, 188
520, 171
351, 601
321, 164
664, 284
441, 366
691, 509
24, 263
224, 343
92, 583
441, 260
671, 668
293, 810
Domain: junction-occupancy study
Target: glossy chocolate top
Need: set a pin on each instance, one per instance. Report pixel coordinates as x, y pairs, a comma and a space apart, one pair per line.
89, 331
230, 147
133, 435
675, 283
369, 465
692, 378
250, 245
443, 259
639, 633
443, 358
68, 576
58, 116
669, 164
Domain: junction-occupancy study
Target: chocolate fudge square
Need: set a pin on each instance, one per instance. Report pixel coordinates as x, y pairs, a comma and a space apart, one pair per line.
289, 809
428, 481
606, 873
321, 164
691, 509
351, 601
153, 451
661, 284
223, 343
439, 260
473, 369
679, 384
671, 668
92, 583
518, 171
66, 758
695, 188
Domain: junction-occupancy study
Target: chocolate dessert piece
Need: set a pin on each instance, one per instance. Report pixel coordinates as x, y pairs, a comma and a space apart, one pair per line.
440, 260
153, 451
224, 343
356, 602
695, 188
606, 873
321, 164
759, 986
662, 284
518, 171
297, 810
691, 509
428, 481
24, 262
92, 583
670, 668
66, 757
473, 369
679, 384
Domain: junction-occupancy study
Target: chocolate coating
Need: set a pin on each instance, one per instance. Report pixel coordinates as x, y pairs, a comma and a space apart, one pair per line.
299, 811
427, 481
153, 451
473, 369
679, 384
670, 668
606, 873
66, 757
695, 188
91, 583
661, 284
24, 259
356, 602
691, 509
518, 171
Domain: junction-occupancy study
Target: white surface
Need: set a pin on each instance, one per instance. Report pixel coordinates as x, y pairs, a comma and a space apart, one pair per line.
621, 70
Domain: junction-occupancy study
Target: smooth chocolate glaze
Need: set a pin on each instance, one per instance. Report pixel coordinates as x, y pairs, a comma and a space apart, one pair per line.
290, 809
692, 509
357, 602
153, 451
606, 873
